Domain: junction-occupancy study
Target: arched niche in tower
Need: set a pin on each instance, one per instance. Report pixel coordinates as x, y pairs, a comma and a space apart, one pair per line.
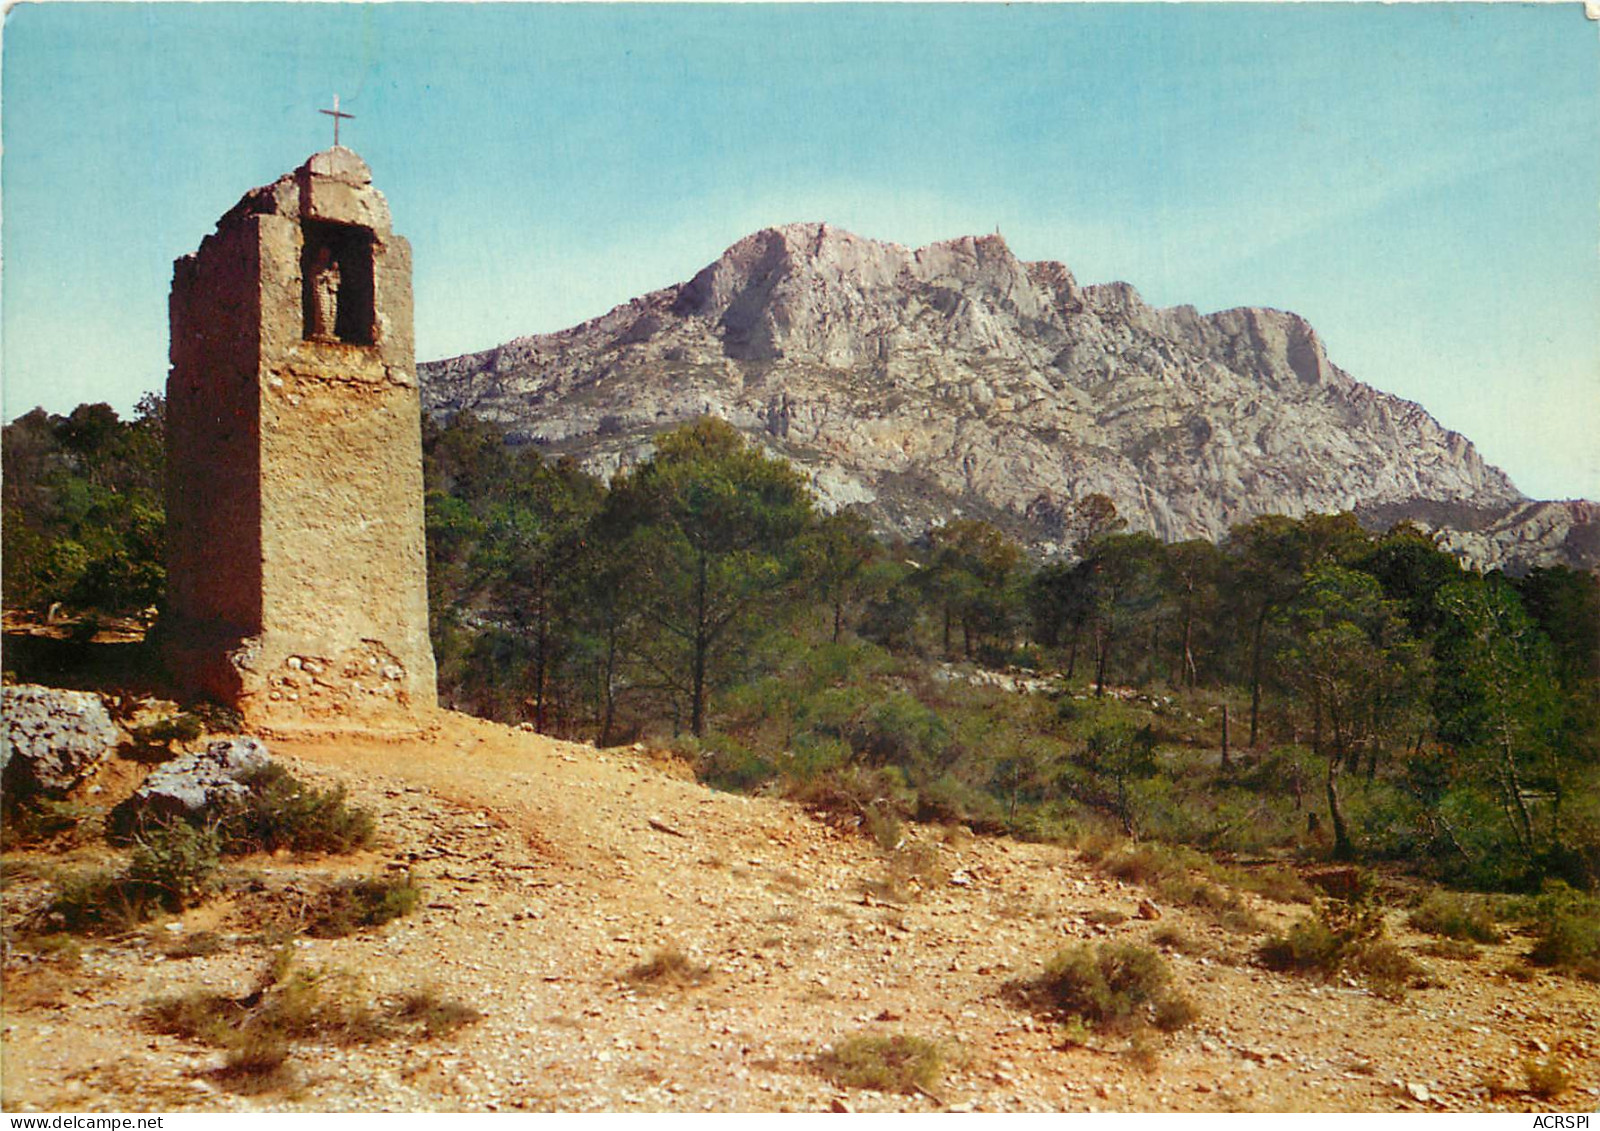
336, 283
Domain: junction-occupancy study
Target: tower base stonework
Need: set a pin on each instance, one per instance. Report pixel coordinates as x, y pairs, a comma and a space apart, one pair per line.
296, 560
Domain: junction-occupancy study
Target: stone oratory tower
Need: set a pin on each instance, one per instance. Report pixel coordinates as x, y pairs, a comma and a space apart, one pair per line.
296, 563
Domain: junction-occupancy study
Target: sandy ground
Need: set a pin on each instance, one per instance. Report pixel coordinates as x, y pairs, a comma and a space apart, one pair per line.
550, 870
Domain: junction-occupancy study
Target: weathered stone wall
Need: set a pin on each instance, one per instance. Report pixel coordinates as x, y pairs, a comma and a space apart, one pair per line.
213, 425
298, 558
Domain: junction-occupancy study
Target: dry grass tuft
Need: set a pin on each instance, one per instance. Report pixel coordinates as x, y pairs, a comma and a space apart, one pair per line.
259, 1030
352, 905
884, 1064
1546, 1079
1345, 937
1116, 987
670, 968
1451, 915
1453, 949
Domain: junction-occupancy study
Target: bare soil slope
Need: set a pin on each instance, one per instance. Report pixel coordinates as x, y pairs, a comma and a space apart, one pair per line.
551, 870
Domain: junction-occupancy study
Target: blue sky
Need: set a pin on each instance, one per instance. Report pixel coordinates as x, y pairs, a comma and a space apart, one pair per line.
1420, 181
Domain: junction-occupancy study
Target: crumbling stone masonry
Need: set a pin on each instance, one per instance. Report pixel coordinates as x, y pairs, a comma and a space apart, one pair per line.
297, 574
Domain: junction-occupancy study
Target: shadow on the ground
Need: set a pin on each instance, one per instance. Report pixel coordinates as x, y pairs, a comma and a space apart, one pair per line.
129, 667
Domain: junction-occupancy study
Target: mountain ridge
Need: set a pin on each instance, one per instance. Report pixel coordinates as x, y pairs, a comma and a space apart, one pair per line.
957, 379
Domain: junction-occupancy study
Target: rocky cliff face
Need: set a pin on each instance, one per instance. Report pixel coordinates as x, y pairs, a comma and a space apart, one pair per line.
958, 380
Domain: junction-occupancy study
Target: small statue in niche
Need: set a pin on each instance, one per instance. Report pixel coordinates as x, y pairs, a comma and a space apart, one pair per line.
325, 296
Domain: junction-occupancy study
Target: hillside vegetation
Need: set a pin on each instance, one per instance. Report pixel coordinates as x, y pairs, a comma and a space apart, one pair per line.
1304, 688
1163, 745
572, 929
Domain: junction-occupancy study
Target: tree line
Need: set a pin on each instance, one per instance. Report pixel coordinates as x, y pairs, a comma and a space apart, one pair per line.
662, 602
83, 515
1304, 675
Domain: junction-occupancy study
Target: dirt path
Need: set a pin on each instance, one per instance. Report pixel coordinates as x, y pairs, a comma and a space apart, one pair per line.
550, 870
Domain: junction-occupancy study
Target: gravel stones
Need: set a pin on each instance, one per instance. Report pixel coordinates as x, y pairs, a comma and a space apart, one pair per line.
531, 827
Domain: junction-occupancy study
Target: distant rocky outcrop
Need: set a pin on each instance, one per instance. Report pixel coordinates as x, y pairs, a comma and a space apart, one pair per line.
958, 380
50, 740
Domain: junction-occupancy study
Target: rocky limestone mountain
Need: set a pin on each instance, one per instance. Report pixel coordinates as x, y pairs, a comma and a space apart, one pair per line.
957, 380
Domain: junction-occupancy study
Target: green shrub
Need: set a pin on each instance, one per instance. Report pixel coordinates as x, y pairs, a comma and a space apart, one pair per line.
1353, 887
350, 905
1566, 929
1074, 1032
1309, 945
173, 868
1344, 937
898, 730
874, 800
1169, 870
814, 755
1221, 904
176, 863
1144, 863
182, 727
38, 820
1455, 916
948, 800
1567, 943
1098, 843
1113, 987
1277, 883
280, 811
1387, 970
96, 902
1048, 823
884, 1064
200, 1015
725, 763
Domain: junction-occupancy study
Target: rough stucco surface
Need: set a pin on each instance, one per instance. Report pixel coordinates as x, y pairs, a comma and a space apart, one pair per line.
296, 555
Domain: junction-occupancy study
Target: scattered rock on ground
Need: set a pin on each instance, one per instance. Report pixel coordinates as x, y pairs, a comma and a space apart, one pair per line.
544, 886
195, 782
53, 739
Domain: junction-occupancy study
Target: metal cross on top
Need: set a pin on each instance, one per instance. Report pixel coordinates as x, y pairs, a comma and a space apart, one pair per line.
336, 114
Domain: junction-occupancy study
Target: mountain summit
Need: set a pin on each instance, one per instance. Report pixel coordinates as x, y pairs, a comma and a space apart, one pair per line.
956, 379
